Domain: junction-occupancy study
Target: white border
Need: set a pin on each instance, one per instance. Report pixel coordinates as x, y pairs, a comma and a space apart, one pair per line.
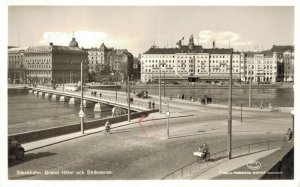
230, 183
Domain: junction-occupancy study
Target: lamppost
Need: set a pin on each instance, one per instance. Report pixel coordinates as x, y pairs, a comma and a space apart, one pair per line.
229, 136
115, 74
81, 113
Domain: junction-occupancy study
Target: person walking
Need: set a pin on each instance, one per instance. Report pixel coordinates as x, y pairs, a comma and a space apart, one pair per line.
107, 127
113, 111
153, 105
261, 105
289, 135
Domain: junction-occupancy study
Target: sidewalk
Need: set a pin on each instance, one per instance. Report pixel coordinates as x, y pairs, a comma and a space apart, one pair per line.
55, 140
236, 168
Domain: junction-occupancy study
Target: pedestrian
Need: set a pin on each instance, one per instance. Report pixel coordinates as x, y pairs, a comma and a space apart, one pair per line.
113, 111
149, 104
153, 105
100, 94
182, 97
289, 135
107, 127
270, 106
203, 101
261, 104
191, 98
178, 96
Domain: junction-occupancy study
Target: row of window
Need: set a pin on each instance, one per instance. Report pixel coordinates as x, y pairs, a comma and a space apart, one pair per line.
39, 72
187, 56
38, 66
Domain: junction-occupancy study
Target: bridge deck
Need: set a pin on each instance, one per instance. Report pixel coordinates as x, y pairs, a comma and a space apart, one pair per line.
105, 99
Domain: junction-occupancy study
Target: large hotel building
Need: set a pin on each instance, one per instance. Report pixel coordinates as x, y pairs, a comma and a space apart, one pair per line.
194, 63
50, 64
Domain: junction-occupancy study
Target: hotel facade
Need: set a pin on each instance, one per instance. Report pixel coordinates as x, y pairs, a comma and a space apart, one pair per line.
55, 64
190, 62
194, 63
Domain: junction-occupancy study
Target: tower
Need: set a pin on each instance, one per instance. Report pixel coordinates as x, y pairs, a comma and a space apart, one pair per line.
191, 43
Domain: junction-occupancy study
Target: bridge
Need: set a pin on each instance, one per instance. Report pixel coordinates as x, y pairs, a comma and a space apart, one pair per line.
71, 96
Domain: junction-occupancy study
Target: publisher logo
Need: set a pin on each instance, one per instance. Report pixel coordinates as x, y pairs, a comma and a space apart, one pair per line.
254, 165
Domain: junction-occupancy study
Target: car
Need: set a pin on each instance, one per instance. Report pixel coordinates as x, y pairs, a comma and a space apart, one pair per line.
15, 150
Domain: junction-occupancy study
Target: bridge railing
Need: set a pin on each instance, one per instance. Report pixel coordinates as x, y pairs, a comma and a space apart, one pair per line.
104, 97
195, 168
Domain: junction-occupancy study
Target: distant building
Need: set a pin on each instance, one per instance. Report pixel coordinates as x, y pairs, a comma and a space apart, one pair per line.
136, 68
55, 64
189, 62
104, 61
120, 63
16, 69
274, 65
285, 54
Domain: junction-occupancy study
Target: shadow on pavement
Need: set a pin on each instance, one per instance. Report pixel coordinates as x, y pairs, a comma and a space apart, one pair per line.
119, 131
29, 157
217, 159
200, 132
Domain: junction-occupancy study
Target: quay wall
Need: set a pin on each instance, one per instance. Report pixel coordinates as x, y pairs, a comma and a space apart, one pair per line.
67, 129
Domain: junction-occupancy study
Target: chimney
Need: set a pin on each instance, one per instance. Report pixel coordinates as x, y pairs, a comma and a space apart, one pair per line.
214, 44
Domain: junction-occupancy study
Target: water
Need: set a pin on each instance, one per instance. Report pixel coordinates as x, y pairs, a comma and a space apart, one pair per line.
281, 97
27, 112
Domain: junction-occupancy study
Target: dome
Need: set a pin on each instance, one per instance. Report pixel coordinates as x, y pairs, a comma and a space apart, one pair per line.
73, 43
102, 47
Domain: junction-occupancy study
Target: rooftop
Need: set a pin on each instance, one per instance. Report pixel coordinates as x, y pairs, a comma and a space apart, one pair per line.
185, 49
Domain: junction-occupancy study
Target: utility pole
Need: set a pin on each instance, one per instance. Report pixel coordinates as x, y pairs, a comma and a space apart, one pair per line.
81, 113
164, 84
128, 80
99, 76
229, 135
159, 89
168, 116
250, 92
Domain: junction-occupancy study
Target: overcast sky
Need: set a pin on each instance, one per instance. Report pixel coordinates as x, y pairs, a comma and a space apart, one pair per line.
137, 28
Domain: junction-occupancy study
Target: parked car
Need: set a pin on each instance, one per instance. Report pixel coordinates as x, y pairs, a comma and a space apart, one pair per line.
15, 150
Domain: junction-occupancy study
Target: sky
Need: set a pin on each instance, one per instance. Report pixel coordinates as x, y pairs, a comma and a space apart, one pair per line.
137, 28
